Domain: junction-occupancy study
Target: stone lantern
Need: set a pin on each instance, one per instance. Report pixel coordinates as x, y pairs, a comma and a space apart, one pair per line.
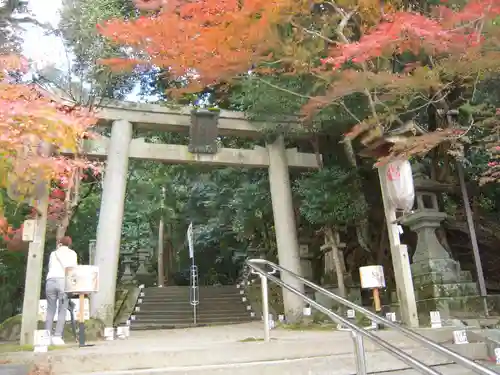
142, 275
128, 275
439, 282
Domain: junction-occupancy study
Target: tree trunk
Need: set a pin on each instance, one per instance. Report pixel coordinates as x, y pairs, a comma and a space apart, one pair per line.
362, 228
331, 237
70, 202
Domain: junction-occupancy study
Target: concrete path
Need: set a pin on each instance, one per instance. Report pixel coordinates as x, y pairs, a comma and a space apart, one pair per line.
221, 350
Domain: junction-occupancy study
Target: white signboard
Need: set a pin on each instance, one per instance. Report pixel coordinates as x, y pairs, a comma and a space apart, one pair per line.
497, 355
351, 314
435, 319
120, 332
272, 323
460, 337
372, 277
81, 279
109, 333
190, 241
29, 227
42, 310
41, 337
391, 316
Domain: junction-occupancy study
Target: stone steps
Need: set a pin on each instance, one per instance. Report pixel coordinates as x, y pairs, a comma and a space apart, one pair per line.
181, 290
162, 308
169, 307
186, 299
288, 357
187, 322
292, 367
199, 312
206, 318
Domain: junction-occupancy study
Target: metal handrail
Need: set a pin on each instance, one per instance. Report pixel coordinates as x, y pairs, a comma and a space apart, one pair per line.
357, 332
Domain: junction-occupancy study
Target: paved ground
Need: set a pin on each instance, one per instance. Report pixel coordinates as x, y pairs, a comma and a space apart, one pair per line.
14, 370
221, 350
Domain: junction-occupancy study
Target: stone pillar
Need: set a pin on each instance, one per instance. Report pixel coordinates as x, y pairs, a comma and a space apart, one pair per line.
109, 229
284, 224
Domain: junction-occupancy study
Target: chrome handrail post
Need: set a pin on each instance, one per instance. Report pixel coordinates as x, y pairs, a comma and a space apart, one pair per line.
359, 353
265, 306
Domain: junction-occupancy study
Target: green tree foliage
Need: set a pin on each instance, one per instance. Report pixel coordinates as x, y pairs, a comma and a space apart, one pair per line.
78, 28
329, 197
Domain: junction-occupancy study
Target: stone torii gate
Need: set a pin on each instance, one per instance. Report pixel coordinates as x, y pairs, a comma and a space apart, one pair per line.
123, 118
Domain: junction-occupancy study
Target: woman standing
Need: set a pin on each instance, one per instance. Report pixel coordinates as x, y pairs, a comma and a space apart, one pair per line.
59, 259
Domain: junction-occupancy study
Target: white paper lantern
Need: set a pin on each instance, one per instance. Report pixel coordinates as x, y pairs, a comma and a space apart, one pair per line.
399, 182
372, 277
81, 279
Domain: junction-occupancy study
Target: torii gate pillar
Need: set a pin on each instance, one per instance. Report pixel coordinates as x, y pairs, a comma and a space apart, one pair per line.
285, 226
109, 228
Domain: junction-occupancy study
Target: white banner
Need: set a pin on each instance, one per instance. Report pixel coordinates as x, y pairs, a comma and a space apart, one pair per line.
190, 240
42, 310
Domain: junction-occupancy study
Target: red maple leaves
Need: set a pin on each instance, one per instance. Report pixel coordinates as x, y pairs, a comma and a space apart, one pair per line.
33, 129
449, 32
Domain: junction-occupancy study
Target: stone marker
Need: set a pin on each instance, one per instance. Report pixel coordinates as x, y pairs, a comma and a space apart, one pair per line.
460, 337
435, 319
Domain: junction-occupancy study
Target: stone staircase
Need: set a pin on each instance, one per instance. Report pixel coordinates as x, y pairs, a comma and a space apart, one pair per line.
169, 307
227, 350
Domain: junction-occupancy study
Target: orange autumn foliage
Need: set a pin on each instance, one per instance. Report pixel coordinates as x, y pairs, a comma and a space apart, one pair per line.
209, 41
204, 42
33, 128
